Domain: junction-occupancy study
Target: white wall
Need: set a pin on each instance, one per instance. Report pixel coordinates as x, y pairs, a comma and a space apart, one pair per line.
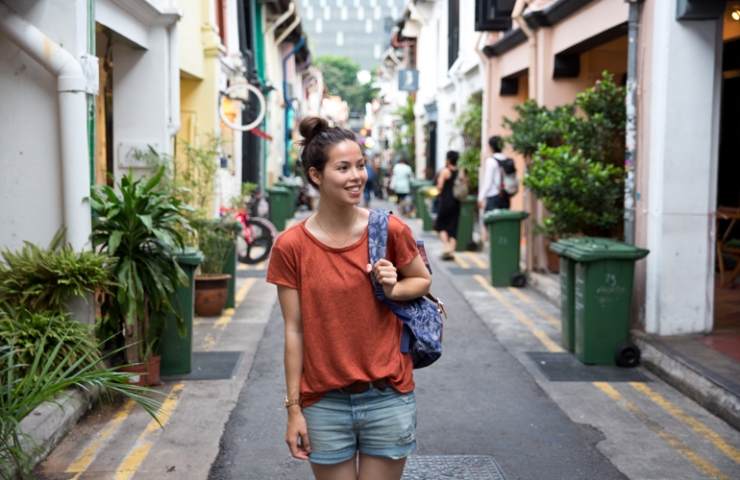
684, 126
31, 178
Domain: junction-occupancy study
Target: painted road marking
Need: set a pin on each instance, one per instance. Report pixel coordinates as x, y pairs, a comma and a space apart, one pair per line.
241, 266
127, 469
695, 424
492, 291
525, 320
548, 342
700, 463
261, 265
85, 459
461, 262
225, 318
519, 294
553, 321
476, 260
244, 290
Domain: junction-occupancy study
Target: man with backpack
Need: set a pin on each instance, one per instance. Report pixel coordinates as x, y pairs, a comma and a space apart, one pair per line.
499, 181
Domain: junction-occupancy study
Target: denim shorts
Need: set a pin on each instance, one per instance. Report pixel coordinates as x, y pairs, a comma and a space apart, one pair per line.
381, 423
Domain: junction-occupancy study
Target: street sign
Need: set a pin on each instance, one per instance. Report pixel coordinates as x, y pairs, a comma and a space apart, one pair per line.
408, 80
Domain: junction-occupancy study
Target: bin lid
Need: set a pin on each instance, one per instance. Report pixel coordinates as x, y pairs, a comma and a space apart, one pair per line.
591, 249
429, 191
470, 199
501, 215
189, 256
561, 246
278, 190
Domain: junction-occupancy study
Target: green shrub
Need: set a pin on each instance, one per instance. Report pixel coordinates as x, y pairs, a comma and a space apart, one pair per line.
34, 278
67, 340
582, 196
216, 239
470, 124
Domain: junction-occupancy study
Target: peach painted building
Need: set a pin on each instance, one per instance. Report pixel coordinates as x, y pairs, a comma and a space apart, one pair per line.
686, 102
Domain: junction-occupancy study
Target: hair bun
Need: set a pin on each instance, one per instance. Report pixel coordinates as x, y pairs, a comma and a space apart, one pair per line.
310, 127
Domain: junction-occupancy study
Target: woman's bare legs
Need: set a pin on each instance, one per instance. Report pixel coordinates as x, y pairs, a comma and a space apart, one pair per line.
370, 468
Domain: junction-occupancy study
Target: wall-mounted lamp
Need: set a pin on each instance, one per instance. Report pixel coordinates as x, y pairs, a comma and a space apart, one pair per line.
736, 14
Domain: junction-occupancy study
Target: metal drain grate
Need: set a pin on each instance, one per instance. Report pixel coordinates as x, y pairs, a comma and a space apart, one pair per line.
211, 366
565, 367
447, 467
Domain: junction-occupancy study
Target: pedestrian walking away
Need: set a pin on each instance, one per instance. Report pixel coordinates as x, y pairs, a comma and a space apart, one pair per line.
491, 194
449, 207
401, 179
350, 390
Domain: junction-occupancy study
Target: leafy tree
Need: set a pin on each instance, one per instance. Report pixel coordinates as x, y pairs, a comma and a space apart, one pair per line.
470, 123
340, 78
537, 125
405, 140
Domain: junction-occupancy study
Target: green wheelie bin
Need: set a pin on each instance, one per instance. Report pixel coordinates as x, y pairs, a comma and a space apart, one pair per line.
504, 233
567, 293
280, 210
465, 224
293, 190
416, 187
230, 269
427, 194
604, 272
176, 350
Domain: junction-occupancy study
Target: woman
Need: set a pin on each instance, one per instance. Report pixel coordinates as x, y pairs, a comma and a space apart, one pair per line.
342, 345
402, 174
449, 207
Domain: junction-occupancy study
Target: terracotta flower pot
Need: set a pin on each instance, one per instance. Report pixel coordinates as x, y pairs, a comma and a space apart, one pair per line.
152, 364
210, 294
553, 261
141, 377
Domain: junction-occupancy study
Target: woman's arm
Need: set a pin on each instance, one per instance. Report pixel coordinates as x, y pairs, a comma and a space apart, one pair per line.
290, 305
415, 281
443, 176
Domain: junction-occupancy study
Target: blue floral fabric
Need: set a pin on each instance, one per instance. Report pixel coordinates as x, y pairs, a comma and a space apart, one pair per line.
422, 331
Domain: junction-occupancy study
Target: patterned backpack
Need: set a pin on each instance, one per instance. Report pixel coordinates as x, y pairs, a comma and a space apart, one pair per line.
421, 317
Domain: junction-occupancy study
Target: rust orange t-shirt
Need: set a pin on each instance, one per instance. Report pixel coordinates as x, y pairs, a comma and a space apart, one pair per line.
348, 334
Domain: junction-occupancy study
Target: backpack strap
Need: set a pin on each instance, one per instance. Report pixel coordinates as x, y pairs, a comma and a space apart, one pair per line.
377, 242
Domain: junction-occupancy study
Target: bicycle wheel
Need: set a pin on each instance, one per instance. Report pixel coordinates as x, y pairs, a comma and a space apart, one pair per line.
261, 234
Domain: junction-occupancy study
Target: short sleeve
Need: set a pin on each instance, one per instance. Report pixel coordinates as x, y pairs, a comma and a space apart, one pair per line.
401, 243
282, 269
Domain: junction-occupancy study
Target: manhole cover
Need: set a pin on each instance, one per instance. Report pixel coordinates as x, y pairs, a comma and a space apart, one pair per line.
447, 467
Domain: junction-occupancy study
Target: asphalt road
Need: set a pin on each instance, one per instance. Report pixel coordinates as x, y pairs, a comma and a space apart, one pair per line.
477, 400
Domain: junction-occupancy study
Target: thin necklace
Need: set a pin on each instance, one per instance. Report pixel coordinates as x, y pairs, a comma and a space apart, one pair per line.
341, 244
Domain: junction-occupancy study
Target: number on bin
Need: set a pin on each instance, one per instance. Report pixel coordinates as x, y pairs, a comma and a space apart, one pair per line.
503, 241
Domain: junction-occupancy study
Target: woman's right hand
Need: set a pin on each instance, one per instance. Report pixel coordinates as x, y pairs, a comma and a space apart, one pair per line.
297, 429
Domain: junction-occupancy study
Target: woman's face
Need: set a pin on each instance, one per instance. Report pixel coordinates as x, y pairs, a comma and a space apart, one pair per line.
344, 175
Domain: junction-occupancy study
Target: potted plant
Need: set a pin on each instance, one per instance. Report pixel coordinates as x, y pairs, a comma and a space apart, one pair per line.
216, 240
141, 227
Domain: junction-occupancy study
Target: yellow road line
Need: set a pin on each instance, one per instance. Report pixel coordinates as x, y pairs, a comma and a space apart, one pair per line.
197, 321
476, 260
493, 291
548, 342
225, 319
700, 463
519, 294
241, 266
695, 424
127, 469
83, 460
261, 265
244, 290
462, 262
209, 342
553, 321
525, 320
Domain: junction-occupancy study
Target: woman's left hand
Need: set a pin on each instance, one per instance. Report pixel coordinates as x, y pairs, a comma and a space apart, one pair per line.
385, 274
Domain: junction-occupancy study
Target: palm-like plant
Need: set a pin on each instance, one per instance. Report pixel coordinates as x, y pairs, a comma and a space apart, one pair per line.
140, 226
47, 379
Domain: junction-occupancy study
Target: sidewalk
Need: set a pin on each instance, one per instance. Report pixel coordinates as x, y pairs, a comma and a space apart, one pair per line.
706, 368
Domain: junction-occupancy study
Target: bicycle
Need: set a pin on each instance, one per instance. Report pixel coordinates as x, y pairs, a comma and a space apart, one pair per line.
258, 235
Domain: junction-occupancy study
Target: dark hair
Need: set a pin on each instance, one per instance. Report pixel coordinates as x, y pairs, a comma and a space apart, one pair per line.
452, 156
495, 143
318, 139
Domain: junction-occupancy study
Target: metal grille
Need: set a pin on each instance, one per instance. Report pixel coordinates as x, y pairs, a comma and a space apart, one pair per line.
448, 467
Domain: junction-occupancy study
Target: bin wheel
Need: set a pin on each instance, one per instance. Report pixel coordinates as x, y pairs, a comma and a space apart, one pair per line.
518, 280
627, 355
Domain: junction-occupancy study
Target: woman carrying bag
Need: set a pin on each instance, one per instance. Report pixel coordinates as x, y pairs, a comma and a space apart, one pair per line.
342, 346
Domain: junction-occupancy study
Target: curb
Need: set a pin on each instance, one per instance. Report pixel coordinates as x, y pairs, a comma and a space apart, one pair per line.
711, 390
548, 286
50, 422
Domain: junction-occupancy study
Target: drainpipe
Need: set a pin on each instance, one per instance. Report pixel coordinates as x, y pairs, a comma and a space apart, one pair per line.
528, 198
630, 161
288, 102
174, 66
71, 82
289, 29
